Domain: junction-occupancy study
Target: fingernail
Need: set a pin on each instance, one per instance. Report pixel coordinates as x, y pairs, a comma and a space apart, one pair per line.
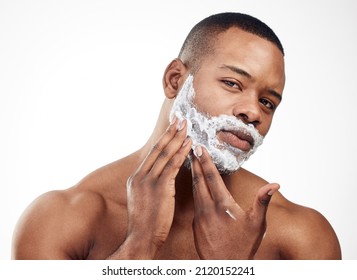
271, 192
186, 142
173, 120
198, 151
265, 233
181, 125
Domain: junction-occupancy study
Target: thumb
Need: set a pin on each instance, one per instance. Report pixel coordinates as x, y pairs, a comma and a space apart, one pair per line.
262, 199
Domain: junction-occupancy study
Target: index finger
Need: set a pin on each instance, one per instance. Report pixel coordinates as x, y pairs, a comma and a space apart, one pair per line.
212, 177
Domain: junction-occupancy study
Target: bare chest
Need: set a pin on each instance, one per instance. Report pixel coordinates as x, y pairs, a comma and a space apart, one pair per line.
181, 246
111, 231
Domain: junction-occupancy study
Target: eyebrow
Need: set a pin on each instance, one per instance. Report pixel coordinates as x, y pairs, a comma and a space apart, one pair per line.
277, 95
237, 70
246, 74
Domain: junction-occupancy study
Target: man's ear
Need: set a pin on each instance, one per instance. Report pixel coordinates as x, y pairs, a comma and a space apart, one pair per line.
173, 77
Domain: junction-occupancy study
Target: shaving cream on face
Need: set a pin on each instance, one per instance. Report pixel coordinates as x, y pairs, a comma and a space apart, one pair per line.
203, 128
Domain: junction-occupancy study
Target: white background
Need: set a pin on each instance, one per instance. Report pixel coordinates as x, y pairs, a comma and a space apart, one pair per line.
80, 86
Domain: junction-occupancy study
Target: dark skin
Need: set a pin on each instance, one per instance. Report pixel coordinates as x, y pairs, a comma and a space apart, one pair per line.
148, 206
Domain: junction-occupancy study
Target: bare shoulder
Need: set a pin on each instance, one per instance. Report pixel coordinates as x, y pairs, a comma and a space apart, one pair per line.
58, 225
87, 221
301, 232
295, 231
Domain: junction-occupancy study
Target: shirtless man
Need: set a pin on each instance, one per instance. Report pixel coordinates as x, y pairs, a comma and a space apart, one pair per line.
168, 200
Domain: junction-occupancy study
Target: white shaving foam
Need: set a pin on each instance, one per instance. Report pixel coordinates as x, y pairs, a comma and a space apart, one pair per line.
230, 214
203, 128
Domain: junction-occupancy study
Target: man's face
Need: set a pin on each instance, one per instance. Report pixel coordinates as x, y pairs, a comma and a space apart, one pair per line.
244, 78
234, 96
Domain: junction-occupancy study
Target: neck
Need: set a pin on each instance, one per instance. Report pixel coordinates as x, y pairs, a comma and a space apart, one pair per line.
184, 197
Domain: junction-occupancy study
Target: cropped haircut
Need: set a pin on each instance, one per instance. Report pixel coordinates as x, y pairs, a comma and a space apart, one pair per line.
203, 36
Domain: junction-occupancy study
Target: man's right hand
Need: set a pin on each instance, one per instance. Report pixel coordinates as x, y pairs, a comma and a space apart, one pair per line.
151, 192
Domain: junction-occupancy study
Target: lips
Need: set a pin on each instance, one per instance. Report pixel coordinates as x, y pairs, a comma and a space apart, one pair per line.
237, 138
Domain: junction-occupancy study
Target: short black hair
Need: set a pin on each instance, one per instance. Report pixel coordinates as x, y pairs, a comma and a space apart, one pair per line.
200, 41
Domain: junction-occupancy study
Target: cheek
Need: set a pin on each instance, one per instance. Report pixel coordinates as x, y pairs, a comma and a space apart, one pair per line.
206, 97
264, 127
212, 103
205, 105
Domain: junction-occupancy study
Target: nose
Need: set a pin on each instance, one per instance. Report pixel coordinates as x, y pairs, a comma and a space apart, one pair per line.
248, 111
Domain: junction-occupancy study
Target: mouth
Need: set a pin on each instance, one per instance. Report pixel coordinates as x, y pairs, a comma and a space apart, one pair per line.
237, 138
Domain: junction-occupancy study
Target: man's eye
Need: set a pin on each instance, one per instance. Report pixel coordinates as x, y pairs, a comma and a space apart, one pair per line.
267, 104
232, 84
